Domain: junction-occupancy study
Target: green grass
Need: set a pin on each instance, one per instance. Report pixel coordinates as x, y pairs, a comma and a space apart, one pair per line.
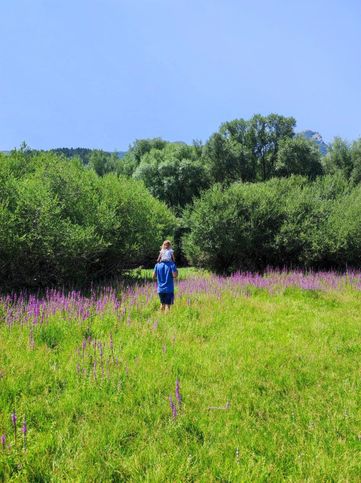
288, 364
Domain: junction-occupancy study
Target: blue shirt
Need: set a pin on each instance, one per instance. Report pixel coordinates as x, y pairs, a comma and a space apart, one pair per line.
164, 272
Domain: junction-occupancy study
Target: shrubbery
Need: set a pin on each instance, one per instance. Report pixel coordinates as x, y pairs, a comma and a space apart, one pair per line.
283, 222
62, 223
272, 200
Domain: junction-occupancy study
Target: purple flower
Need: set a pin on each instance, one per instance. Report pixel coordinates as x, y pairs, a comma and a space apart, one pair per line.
24, 428
14, 418
177, 393
173, 407
3, 440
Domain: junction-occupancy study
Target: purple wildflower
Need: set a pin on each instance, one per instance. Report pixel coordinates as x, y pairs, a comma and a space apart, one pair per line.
3, 440
177, 393
24, 430
100, 347
13, 420
173, 407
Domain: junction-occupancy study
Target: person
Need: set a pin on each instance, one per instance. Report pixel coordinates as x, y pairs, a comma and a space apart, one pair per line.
166, 253
164, 273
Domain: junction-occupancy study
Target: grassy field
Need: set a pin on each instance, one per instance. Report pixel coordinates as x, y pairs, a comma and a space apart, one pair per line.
243, 381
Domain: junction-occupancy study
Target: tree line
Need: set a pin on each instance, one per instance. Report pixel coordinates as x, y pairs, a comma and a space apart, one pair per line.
253, 150
256, 194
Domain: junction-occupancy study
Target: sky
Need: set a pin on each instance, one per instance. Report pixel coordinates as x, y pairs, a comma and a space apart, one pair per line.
103, 73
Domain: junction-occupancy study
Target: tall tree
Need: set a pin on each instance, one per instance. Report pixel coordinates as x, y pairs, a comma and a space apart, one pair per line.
247, 150
356, 161
265, 135
338, 158
173, 174
136, 151
298, 156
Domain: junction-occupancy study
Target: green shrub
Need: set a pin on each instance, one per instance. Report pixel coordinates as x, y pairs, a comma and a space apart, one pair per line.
283, 222
61, 223
235, 228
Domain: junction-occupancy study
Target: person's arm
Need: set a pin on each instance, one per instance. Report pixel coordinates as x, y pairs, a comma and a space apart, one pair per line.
175, 272
154, 276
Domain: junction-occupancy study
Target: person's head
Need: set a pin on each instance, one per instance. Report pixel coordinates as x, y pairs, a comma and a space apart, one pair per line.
166, 245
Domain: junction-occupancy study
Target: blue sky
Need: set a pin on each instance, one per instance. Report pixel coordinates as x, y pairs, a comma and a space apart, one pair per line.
102, 73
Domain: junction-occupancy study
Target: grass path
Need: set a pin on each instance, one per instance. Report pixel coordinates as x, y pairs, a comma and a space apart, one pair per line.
270, 390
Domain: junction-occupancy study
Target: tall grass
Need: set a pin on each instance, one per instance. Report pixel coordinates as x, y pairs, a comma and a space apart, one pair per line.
247, 378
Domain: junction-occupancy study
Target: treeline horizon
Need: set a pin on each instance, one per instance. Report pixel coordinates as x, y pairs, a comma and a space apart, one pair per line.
256, 194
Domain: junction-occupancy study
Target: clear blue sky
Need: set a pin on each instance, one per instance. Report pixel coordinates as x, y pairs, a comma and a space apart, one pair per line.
101, 73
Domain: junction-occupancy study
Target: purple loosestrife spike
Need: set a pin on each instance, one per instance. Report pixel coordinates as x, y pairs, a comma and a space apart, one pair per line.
173, 407
14, 418
3, 440
24, 430
177, 393
100, 347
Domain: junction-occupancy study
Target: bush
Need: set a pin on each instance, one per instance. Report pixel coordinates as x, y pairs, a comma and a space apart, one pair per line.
235, 228
60, 223
283, 222
345, 230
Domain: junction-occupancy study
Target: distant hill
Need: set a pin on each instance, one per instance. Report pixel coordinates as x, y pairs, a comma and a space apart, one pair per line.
317, 138
82, 153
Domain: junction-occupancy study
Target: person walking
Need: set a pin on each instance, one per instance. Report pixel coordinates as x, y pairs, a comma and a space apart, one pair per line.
164, 273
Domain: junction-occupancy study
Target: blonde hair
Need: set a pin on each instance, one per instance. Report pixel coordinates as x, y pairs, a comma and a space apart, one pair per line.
166, 242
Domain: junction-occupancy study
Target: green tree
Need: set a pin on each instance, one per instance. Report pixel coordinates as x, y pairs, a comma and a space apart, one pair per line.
298, 156
101, 162
173, 173
265, 134
247, 150
136, 151
338, 158
356, 161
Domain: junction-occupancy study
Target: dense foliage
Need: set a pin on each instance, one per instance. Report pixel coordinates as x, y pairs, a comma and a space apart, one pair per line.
283, 222
255, 194
62, 223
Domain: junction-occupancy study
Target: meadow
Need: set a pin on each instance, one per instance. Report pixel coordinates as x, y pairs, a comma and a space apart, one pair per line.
248, 378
